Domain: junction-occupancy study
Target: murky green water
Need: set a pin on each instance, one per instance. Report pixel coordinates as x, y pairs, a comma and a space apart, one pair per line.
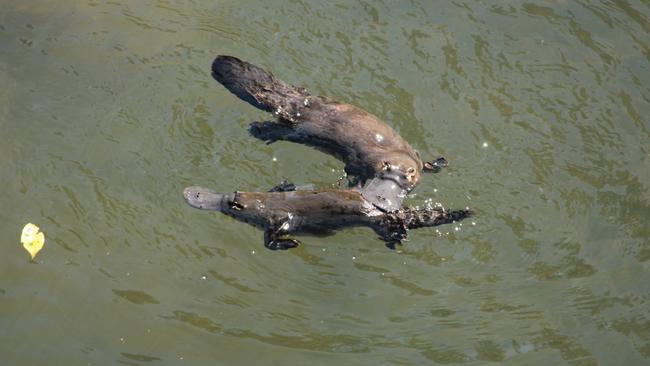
107, 110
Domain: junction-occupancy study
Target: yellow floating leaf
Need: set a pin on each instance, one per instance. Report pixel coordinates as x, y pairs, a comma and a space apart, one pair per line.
29, 233
32, 239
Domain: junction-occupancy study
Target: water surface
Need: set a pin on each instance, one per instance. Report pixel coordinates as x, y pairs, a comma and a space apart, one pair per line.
108, 109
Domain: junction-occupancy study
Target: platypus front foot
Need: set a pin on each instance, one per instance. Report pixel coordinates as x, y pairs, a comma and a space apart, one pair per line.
436, 165
354, 182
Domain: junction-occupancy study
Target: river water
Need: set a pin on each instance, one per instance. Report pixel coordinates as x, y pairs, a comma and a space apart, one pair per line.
108, 110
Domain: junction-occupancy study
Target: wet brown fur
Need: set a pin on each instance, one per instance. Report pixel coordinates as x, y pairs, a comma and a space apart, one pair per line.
316, 212
367, 145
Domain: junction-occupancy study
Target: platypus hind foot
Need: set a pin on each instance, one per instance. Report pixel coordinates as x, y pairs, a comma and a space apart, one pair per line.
282, 244
273, 241
269, 132
284, 186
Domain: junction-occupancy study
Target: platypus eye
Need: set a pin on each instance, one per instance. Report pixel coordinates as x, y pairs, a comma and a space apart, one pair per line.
386, 165
410, 170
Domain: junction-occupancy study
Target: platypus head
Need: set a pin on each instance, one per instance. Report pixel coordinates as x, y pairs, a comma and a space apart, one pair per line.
404, 171
393, 182
206, 199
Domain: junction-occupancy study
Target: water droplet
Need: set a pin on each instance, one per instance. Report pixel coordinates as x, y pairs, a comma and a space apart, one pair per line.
485, 144
274, 159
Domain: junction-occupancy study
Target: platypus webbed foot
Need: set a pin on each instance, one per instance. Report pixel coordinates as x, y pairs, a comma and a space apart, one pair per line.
392, 245
436, 165
284, 186
354, 182
282, 244
273, 240
269, 132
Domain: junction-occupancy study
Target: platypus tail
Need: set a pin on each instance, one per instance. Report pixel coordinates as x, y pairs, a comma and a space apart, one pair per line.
258, 87
416, 218
206, 199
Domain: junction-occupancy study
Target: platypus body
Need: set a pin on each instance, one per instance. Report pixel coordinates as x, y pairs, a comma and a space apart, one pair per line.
317, 212
368, 146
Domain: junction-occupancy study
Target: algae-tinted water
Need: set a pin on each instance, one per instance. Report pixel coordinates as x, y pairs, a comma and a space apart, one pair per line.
108, 109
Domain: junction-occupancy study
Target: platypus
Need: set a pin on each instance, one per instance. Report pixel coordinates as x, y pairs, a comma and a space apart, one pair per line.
368, 146
280, 212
